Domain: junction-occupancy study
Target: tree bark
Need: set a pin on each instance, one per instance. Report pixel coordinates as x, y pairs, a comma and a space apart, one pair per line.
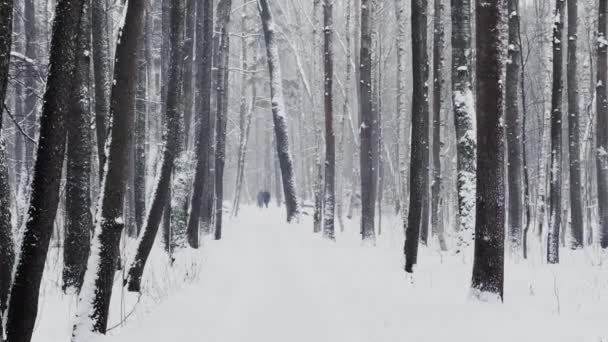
488, 264
367, 117
23, 303
602, 124
188, 87
94, 303
139, 150
161, 194
464, 119
101, 74
555, 185
419, 176
7, 249
204, 34
224, 8
513, 123
438, 62
79, 220
574, 149
278, 113
330, 139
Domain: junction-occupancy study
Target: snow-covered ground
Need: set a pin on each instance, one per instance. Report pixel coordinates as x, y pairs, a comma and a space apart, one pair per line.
269, 281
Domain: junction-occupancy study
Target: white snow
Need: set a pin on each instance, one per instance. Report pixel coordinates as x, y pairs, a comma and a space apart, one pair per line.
270, 281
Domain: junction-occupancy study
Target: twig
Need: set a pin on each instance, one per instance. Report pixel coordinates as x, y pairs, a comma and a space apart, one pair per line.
18, 125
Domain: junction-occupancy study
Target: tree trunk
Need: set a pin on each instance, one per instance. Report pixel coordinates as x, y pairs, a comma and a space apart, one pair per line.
602, 124
77, 188
161, 194
36, 235
316, 123
223, 29
204, 34
141, 109
101, 73
574, 149
94, 303
278, 113
419, 176
188, 87
330, 139
488, 264
513, 123
555, 196
464, 119
32, 42
367, 117
401, 98
7, 252
438, 62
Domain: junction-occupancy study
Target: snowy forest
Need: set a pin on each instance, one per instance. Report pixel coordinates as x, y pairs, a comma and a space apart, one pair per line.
291, 170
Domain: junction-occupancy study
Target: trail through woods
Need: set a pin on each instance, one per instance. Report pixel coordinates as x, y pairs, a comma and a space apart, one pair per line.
271, 281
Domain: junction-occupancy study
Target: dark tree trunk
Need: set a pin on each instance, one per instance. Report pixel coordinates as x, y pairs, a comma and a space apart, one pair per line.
139, 162
367, 117
7, 252
279, 116
438, 62
101, 72
330, 139
488, 264
188, 87
464, 119
92, 315
513, 121
204, 34
161, 194
555, 185
79, 220
419, 176
23, 305
574, 146
602, 124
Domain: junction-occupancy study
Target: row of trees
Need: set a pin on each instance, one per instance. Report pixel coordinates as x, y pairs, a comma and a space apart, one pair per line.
160, 153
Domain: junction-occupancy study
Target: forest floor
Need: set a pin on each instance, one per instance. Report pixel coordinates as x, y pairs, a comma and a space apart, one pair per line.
270, 281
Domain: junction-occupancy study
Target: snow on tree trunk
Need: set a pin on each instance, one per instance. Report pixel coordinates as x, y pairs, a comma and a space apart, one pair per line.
555, 185
101, 74
278, 113
139, 150
36, 235
161, 193
419, 176
602, 124
438, 62
574, 149
464, 119
513, 123
188, 72
79, 220
94, 301
330, 139
222, 82
488, 264
316, 121
7, 251
204, 30
367, 117
401, 96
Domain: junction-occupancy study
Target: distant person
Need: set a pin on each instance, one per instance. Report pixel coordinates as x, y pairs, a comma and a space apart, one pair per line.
263, 199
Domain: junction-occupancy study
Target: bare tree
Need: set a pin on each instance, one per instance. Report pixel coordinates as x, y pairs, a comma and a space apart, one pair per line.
367, 117
513, 123
94, 302
23, 302
101, 72
464, 118
555, 183
488, 264
419, 176
602, 123
278, 113
204, 30
169, 154
78, 193
330, 139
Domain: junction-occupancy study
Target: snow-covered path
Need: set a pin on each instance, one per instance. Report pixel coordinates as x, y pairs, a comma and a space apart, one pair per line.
269, 281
